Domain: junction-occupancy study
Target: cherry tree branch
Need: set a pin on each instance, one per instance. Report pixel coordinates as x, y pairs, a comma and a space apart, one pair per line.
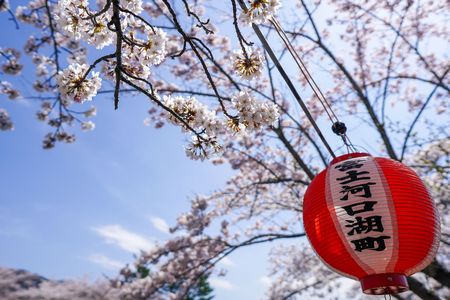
52, 35
286, 112
416, 118
404, 38
366, 102
389, 66
194, 48
294, 153
119, 37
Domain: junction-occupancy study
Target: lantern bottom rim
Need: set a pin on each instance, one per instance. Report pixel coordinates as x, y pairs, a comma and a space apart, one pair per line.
382, 284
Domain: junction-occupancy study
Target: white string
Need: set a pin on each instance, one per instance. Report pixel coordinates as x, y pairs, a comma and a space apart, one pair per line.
301, 65
312, 83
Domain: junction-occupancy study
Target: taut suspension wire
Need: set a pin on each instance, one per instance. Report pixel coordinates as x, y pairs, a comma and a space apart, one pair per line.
338, 127
301, 65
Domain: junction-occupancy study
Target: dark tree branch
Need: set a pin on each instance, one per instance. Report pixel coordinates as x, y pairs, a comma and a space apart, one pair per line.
52, 34
420, 290
438, 272
294, 153
201, 24
239, 35
404, 38
300, 127
119, 37
366, 102
199, 56
411, 127
389, 67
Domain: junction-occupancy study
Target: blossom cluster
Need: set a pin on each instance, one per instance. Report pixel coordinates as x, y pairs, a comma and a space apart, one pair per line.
140, 54
5, 121
6, 88
200, 148
249, 64
260, 11
194, 113
135, 6
11, 66
74, 17
151, 50
295, 268
197, 219
143, 44
18, 284
4, 5
57, 121
73, 85
188, 111
87, 126
254, 114
177, 262
62, 136
44, 67
431, 164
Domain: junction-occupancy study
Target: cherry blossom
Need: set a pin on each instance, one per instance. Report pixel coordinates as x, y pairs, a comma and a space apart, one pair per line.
260, 11
73, 85
20, 284
74, 18
87, 126
152, 50
252, 113
248, 64
4, 5
193, 112
91, 112
11, 66
132, 5
5, 121
202, 148
6, 88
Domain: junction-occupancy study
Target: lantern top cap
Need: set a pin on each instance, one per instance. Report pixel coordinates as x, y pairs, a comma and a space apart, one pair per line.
348, 156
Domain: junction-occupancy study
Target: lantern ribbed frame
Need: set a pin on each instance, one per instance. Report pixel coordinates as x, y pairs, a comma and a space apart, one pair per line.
415, 224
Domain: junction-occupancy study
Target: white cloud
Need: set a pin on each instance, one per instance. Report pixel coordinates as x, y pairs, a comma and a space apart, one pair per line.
160, 224
221, 284
105, 261
226, 262
127, 240
265, 280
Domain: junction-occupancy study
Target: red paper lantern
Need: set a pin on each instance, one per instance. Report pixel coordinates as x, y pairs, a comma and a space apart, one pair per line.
371, 219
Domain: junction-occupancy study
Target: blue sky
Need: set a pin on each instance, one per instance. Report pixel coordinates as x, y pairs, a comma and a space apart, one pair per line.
84, 209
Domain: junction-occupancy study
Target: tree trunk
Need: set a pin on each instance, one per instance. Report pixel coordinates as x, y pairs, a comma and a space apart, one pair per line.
439, 273
420, 290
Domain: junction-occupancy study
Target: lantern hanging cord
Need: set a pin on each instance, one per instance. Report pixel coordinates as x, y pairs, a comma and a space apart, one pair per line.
338, 127
301, 65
